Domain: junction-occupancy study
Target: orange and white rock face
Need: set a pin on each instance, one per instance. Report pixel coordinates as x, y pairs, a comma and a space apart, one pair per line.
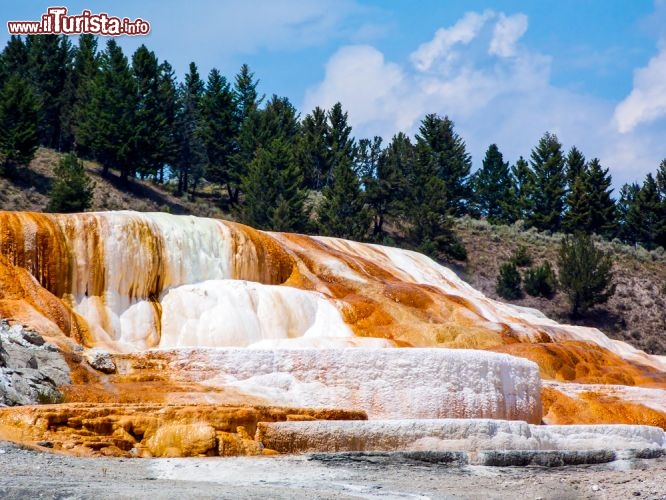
385, 383
130, 282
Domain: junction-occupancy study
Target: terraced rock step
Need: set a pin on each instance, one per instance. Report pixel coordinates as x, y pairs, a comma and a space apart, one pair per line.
385, 383
151, 430
474, 436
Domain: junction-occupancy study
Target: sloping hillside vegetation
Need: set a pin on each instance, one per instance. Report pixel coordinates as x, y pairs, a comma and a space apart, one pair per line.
636, 312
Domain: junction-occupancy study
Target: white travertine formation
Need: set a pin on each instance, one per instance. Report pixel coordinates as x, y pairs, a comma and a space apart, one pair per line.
127, 270
386, 383
238, 313
453, 435
209, 289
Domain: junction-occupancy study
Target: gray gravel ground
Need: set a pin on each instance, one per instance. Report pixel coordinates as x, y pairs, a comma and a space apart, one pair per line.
30, 474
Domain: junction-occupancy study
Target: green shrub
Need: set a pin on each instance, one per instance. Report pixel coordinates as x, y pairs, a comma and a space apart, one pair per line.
457, 250
521, 257
585, 273
540, 281
508, 282
73, 189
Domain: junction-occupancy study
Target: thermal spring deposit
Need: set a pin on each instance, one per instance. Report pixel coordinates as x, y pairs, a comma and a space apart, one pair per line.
148, 334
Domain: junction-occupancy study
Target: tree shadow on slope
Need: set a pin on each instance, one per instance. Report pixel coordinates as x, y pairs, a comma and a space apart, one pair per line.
605, 320
26, 179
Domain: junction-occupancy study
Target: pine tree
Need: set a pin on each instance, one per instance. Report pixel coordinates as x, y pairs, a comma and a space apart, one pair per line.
661, 179
13, 59
445, 152
525, 180
494, 189
84, 75
278, 119
245, 91
540, 281
19, 113
661, 188
274, 197
387, 189
585, 273
508, 282
366, 162
645, 215
578, 216
191, 157
50, 61
150, 122
341, 144
549, 183
73, 189
247, 105
168, 110
575, 165
313, 153
343, 212
219, 128
626, 213
427, 210
108, 119
590, 207
66, 141
602, 206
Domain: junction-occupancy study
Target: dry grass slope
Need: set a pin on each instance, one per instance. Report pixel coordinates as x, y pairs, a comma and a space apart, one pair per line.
29, 187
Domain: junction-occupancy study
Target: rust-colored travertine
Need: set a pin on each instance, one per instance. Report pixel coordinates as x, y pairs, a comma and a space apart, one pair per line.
585, 363
152, 430
23, 300
595, 407
36, 243
268, 261
384, 305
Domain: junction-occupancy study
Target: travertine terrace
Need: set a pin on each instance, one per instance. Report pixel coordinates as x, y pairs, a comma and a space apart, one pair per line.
199, 315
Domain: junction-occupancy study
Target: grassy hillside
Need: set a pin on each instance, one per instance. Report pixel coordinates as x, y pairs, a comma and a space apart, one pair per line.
28, 190
637, 312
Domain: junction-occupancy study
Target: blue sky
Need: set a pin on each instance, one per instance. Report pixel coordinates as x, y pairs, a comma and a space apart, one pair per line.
593, 72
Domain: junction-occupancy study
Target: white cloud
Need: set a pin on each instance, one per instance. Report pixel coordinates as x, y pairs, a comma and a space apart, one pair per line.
647, 100
375, 92
463, 32
495, 89
506, 33
443, 78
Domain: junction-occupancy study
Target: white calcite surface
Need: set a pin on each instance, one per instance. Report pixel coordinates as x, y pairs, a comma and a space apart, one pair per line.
240, 313
137, 251
386, 383
453, 435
